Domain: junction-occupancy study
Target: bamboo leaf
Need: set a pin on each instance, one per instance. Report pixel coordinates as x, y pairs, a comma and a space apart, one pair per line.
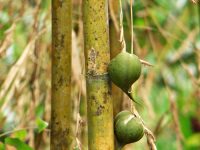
17, 143
2, 146
21, 134
41, 124
193, 141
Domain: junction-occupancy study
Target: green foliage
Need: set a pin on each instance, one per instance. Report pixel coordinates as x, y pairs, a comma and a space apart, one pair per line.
39, 110
17, 143
41, 125
4, 18
193, 141
21, 134
2, 146
166, 35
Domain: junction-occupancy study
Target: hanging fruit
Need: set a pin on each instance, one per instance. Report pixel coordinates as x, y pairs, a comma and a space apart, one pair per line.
124, 70
128, 128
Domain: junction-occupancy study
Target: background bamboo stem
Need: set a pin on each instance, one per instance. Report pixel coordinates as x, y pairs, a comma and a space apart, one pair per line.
115, 48
61, 114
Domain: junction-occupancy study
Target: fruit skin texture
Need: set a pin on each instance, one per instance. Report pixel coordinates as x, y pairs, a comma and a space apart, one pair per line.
122, 114
124, 70
128, 128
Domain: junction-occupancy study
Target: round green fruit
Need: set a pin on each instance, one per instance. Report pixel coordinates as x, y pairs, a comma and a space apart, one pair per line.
128, 129
124, 70
122, 114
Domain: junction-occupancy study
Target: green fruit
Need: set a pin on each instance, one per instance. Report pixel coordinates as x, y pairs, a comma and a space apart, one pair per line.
122, 114
124, 70
128, 129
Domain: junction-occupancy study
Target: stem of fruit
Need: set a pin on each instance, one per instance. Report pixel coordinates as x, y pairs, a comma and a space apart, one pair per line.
148, 133
132, 99
119, 146
131, 4
122, 40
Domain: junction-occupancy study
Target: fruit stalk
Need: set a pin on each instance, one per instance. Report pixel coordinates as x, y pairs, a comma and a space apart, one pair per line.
61, 113
119, 146
97, 57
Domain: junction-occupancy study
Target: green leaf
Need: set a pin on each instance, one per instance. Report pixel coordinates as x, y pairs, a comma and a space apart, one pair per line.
41, 124
185, 123
17, 143
39, 110
76, 148
193, 141
2, 146
20, 134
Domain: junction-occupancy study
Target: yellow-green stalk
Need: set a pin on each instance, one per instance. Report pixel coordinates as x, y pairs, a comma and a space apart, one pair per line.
97, 57
115, 48
61, 114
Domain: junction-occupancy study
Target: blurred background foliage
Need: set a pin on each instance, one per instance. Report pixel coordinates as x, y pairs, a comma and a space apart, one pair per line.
166, 34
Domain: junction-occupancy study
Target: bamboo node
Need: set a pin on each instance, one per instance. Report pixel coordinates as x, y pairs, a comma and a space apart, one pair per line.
97, 76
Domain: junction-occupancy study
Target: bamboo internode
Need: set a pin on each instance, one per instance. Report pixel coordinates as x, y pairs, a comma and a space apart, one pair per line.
61, 114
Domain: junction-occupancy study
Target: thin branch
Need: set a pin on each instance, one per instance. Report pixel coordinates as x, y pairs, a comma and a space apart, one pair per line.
146, 63
174, 111
148, 133
16, 130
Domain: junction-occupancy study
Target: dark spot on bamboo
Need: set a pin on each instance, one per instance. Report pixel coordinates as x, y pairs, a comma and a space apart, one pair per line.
99, 110
60, 81
105, 97
91, 72
60, 3
92, 55
58, 57
92, 97
66, 131
109, 91
62, 40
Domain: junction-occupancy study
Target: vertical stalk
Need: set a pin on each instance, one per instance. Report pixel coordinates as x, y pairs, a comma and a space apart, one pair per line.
61, 114
131, 6
83, 113
97, 57
115, 48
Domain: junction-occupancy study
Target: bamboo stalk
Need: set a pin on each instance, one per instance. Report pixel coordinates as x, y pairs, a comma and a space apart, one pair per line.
61, 114
115, 48
99, 102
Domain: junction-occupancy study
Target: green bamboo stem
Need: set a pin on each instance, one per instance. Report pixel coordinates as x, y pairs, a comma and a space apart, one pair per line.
97, 57
61, 114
